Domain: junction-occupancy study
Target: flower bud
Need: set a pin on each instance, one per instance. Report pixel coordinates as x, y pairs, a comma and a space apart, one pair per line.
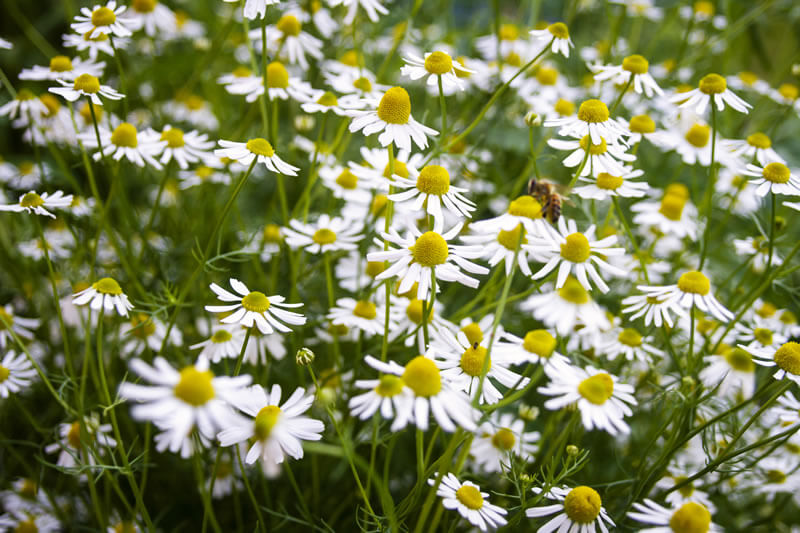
528, 412
573, 450
304, 356
532, 119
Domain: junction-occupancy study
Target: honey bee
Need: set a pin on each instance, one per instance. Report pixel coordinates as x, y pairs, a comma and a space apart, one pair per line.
546, 194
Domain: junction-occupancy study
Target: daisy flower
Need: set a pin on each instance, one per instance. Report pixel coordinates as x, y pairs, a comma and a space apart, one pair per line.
25, 106
280, 84
203, 174
732, 369
689, 517
372, 7
566, 307
498, 439
125, 141
579, 510
64, 68
501, 245
102, 20
570, 250
31, 202
375, 166
85, 85
429, 191
277, 429
392, 116
436, 65
16, 373
346, 185
322, 102
775, 178
758, 247
655, 309
17, 324
256, 149
73, 438
633, 65
225, 342
606, 186
363, 315
144, 331
267, 313
601, 157
711, 85
104, 294
152, 16
388, 394
786, 358
537, 346
558, 34
525, 210
630, 344
693, 289
36, 519
431, 393
673, 215
470, 502
756, 146
593, 119
789, 410
422, 255
95, 44
254, 9
179, 401
601, 399
326, 234
184, 147
294, 42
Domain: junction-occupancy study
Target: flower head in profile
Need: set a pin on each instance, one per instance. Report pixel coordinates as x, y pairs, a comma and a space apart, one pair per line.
435, 65
466, 497
255, 150
85, 85
16, 373
687, 518
593, 119
32, 202
635, 66
579, 509
693, 289
786, 358
126, 142
391, 115
268, 313
711, 86
102, 20
104, 294
774, 177
325, 234
558, 34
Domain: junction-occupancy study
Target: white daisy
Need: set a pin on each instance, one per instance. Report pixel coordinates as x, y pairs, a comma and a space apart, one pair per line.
17, 373
85, 85
579, 510
363, 315
673, 215
592, 120
256, 149
225, 342
278, 430
756, 146
106, 19
144, 331
501, 245
689, 517
280, 83
558, 33
323, 102
537, 346
655, 309
392, 116
629, 343
184, 147
345, 184
775, 178
326, 234
566, 307
31, 202
125, 141
732, 369
152, 16
789, 410
786, 358
25, 106
287, 33
606, 186
693, 289
470, 502
525, 210
633, 65
436, 65
499, 438
372, 7
254, 9
94, 44
73, 438
267, 313
375, 166
711, 85
203, 174
21, 326
388, 394
64, 68
601, 157
104, 294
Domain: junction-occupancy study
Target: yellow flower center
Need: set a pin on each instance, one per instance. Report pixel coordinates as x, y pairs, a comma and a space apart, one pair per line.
363, 84
509, 32
378, 204
559, 30
347, 180
470, 497
25, 94
260, 146
241, 71
86, 112
400, 169
129, 527
547, 76
564, 108
509, 239
194, 386
29, 489
593, 111
174, 137
4, 372
389, 386
747, 77
788, 91
635, 64
107, 286
349, 58
395, 106
194, 102
74, 435
324, 236
439, 63
328, 99
694, 282
31, 199
277, 76
221, 336
430, 249
767, 310
143, 326
504, 439
642, 124
759, 140
630, 337
102, 16
289, 25
374, 268
776, 476
763, 336
51, 103
473, 332
573, 292
525, 206
787, 357
690, 518
60, 64
776, 173
256, 301
540, 342
422, 376
472, 360
609, 182
597, 389
29, 525
672, 206
713, 84
582, 504
698, 135
272, 233
740, 360
414, 311
266, 419
576, 249
365, 309
87, 83
144, 6
125, 136
594, 149
433, 179
460, 72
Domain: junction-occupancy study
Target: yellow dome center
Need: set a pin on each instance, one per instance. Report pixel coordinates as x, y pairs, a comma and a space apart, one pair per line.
60, 64
256, 301
272, 233
504, 439
582, 504
635, 64
347, 180
289, 25
539, 342
547, 76
378, 204
690, 518
349, 58
395, 106
102, 16
87, 83
51, 103
324, 236
763, 336
4, 372
630, 337
470, 497
740, 360
509, 239
472, 360
430, 249
31, 199
672, 206
576, 249
608, 182
694, 282
374, 268
277, 76
509, 32
525, 206
260, 146
328, 99
698, 135
363, 84
564, 108
74, 435
144, 6
27, 526
713, 84
759, 140
642, 124
400, 169
594, 149
389, 386
597, 389
559, 30
776, 173
593, 111
414, 311
221, 336
143, 326
473, 333
787, 357
266, 419
788, 91
365, 309
125, 136
433, 179
174, 137
107, 286
242, 72
194, 386
439, 63
573, 292
422, 376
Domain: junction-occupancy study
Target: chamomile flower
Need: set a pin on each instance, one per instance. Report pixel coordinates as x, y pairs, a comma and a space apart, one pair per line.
690, 517
277, 429
203, 174
579, 510
25, 106
435, 65
655, 309
789, 410
421, 255
74, 436
180, 400
62, 67
693, 289
756, 146
184, 147
152, 16
593, 119
606, 186
429, 191
558, 33
775, 178
786, 358
466, 497
268, 313
21, 326
85, 85
38, 520
537, 346
496, 440
673, 215
144, 331
603, 157
94, 44
388, 394
374, 8
126, 142
502, 245
732, 369
758, 248
571, 251
711, 86
256, 149
525, 210
32, 202
104, 294
566, 307
16, 373
225, 342
363, 315
254, 9
294, 42
602, 400
392, 116
631, 344
106, 20
323, 102
326, 234
634, 65
346, 185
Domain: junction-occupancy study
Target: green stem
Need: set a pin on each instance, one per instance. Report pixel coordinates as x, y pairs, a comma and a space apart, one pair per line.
621, 94
771, 230
239, 360
443, 108
261, 525
710, 185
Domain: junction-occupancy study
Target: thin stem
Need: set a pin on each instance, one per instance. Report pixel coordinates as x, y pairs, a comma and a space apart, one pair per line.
239, 360
574, 179
710, 186
387, 221
443, 108
771, 230
621, 94
261, 525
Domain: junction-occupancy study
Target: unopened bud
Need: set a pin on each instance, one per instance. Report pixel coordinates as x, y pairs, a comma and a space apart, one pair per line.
303, 122
532, 119
528, 412
304, 356
796, 69
780, 224
573, 450
688, 382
